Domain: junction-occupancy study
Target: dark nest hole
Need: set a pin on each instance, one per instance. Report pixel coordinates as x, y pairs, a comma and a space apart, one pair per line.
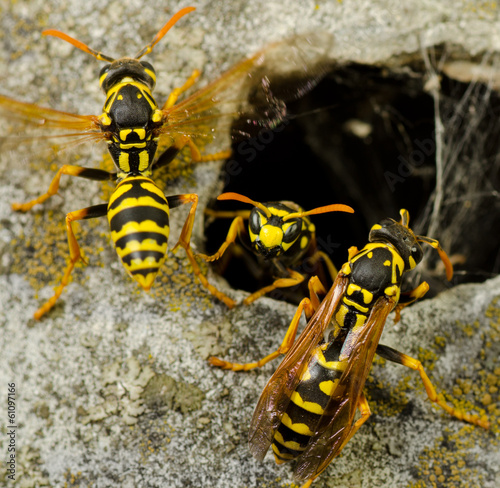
366, 137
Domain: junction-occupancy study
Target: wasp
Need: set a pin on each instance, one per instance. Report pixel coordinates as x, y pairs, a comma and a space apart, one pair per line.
134, 126
307, 409
283, 235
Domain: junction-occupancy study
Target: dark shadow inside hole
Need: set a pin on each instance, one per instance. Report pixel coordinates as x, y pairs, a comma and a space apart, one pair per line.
364, 137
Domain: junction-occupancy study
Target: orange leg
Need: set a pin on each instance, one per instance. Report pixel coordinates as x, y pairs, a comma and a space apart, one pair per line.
307, 305
181, 141
400, 358
236, 228
295, 278
177, 92
185, 242
89, 173
74, 253
408, 298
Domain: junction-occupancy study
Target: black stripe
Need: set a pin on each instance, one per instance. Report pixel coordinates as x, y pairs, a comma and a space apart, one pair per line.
144, 271
140, 237
138, 214
136, 191
142, 255
290, 435
300, 416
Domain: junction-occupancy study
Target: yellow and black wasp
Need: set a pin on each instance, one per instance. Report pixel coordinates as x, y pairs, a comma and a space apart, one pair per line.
307, 410
282, 234
133, 126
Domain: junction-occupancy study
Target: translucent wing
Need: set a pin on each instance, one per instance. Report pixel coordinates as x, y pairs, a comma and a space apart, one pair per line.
254, 91
335, 424
46, 122
276, 395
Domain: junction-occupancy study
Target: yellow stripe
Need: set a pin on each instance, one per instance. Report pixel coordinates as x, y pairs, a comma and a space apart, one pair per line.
278, 455
145, 226
332, 365
289, 444
309, 406
150, 73
299, 428
328, 387
367, 296
355, 305
123, 162
143, 161
133, 145
144, 245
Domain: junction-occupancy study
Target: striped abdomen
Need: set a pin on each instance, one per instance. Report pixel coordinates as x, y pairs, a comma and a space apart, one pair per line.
309, 401
138, 216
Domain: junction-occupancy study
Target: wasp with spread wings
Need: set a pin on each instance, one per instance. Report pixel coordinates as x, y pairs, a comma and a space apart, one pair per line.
307, 410
134, 126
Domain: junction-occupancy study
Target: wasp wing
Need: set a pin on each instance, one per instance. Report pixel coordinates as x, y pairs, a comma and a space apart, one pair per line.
335, 425
254, 92
41, 122
275, 398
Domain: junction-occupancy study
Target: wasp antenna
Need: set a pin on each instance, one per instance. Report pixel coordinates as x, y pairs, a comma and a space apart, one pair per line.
242, 198
78, 44
405, 217
336, 207
442, 254
147, 49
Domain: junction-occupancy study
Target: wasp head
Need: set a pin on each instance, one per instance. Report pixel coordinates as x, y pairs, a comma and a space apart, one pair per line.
120, 69
401, 237
271, 234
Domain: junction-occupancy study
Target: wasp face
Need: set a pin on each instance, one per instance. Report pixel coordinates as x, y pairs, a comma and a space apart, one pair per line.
271, 236
123, 68
401, 237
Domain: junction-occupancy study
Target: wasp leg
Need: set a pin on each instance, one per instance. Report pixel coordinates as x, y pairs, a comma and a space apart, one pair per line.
89, 173
400, 358
295, 278
236, 229
332, 270
74, 251
185, 242
181, 141
176, 92
364, 410
308, 305
407, 298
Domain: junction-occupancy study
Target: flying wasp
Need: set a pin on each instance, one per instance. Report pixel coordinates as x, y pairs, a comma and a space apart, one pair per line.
283, 235
307, 409
134, 126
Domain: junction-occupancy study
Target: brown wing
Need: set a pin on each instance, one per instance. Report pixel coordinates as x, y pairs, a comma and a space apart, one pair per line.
44, 122
276, 395
253, 91
335, 424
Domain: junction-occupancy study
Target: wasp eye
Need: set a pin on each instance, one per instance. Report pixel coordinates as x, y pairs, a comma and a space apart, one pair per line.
148, 66
104, 70
292, 231
255, 221
416, 253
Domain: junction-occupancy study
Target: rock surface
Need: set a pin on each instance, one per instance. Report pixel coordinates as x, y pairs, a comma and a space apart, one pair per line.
113, 387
